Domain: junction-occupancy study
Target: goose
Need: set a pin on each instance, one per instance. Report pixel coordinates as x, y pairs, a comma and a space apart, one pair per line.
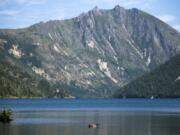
93, 125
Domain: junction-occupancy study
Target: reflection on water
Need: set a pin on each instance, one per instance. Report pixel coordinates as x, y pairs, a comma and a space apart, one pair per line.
76, 123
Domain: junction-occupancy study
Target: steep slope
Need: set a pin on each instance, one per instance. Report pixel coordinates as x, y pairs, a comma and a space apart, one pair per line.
95, 53
17, 80
14, 82
164, 81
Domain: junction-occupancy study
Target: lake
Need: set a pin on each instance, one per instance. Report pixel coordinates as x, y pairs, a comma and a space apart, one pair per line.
72, 116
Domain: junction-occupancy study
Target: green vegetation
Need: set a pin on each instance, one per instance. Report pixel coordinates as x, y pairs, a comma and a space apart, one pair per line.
163, 82
5, 116
18, 83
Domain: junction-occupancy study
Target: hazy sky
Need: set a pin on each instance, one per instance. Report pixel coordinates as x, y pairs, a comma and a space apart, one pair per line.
22, 13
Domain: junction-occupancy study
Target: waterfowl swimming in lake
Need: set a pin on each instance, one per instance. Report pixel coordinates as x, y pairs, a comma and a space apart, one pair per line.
93, 125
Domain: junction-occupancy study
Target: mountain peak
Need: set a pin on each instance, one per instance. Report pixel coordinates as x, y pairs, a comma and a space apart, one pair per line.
120, 13
118, 7
96, 10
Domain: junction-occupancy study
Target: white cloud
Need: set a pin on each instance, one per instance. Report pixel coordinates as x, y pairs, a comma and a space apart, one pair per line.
144, 4
8, 13
7, 3
30, 2
20, 1
134, 2
167, 18
141, 4
177, 27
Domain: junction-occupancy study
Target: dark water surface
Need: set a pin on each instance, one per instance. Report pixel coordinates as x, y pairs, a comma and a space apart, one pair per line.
71, 117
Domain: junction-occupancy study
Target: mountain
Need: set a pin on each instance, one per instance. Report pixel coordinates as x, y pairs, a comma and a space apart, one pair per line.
95, 53
162, 82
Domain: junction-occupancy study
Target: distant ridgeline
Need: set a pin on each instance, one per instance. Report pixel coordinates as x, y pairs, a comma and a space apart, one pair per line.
163, 82
91, 55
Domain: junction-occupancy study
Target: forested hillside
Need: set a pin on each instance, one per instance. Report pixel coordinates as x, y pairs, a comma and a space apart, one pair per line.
15, 81
162, 82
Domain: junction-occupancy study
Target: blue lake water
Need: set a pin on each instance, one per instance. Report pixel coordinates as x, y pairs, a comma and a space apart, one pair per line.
72, 116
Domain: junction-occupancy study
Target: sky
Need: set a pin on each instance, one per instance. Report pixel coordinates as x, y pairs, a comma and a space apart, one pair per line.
23, 13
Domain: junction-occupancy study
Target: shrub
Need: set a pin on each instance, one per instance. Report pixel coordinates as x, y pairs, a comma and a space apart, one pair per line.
5, 116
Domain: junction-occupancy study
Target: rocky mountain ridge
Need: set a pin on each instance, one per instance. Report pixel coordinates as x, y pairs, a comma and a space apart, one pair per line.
95, 53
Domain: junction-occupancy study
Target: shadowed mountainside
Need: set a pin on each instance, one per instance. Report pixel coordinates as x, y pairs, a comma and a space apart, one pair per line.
162, 82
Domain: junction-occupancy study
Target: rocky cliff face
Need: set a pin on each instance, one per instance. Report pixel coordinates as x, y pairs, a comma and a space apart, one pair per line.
96, 52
